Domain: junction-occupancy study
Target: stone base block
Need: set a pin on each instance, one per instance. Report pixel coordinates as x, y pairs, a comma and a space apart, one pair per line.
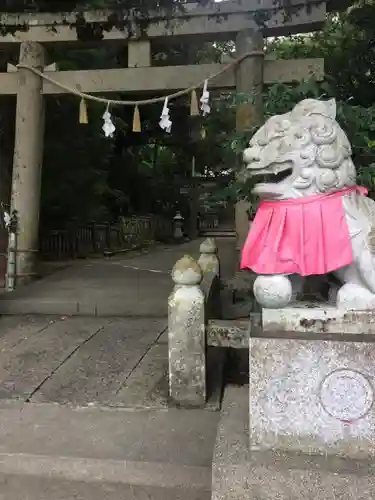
313, 318
313, 397
238, 474
257, 479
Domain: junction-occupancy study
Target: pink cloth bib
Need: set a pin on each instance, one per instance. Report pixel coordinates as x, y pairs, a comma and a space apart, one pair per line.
302, 236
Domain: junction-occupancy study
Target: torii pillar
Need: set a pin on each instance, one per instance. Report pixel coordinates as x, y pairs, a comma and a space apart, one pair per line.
28, 156
249, 81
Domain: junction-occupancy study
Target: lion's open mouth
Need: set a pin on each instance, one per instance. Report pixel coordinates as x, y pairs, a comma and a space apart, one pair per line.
274, 178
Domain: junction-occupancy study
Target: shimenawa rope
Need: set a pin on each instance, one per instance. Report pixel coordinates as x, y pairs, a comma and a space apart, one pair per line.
154, 100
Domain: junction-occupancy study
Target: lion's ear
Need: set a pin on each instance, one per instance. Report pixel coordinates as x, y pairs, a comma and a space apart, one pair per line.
331, 108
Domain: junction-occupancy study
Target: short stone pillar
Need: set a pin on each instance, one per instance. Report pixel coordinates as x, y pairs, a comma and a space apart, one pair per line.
209, 260
186, 335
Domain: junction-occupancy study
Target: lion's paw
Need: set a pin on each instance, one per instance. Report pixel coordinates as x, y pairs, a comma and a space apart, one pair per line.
273, 292
355, 297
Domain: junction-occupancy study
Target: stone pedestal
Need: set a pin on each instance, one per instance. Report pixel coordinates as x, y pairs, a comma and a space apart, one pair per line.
241, 474
312, 379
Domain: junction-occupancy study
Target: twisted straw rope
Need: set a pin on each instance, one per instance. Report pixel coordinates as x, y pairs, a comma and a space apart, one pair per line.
154, 100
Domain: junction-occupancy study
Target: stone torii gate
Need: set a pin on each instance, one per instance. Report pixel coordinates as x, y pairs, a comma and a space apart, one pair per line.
228, 20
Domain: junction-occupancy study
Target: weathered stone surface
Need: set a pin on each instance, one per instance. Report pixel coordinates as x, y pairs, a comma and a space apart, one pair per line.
208, 260
234, 334
99, 368
147, 385
29, 363
313, 397
306, 317
186, 271
279, 481
186, 335
193, 21
238, 474
273, 291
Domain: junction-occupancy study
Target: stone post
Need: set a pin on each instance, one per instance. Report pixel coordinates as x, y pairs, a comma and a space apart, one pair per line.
186, 335
209, 261
28, 155
249, 80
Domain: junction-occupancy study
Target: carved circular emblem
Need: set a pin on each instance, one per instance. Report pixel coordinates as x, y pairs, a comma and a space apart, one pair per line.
346, 395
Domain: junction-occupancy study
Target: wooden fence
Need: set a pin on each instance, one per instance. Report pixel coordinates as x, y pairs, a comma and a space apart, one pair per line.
208, 222
81, 241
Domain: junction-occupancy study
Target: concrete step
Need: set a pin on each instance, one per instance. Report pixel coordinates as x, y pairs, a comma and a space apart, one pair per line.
52, 452
16, 487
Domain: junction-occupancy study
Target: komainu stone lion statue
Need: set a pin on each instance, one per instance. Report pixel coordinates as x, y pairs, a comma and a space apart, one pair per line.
312, 218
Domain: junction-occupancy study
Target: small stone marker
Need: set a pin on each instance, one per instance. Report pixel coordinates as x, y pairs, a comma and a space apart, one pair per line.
208, 260
186, 335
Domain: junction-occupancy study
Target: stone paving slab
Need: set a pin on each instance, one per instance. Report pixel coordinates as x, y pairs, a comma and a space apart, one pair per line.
101, 366
24, 367
147, 385
75, 360
14, 330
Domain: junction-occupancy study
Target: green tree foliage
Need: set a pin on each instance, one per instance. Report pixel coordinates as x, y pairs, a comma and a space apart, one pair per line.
347, 44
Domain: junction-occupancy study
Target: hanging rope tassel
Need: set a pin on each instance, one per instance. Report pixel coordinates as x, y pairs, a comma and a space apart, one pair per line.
83, 115
136, 120
165, 121
194, 108
205, 100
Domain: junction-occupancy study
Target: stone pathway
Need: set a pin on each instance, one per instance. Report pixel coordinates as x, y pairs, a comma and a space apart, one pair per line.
83, 393
95, 360
124, 285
